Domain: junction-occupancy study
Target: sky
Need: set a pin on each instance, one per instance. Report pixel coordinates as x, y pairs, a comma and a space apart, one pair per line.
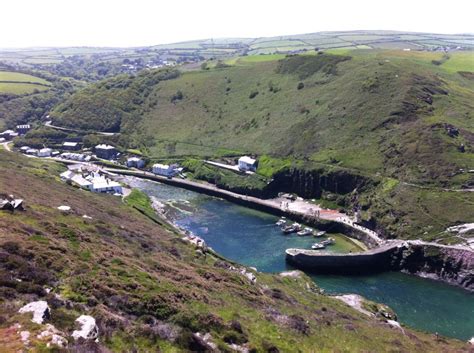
120, 23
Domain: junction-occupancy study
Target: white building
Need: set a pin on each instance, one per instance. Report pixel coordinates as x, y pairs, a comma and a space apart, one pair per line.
101, 183
8, 134
165, 169
247, 164
45, 152
76, 157
32, 151
135, 162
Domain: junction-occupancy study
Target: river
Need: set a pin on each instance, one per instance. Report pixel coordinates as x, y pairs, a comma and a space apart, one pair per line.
251, 238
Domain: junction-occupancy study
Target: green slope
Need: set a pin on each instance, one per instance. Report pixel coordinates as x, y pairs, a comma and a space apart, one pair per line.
149, 290
395, 118
380, 112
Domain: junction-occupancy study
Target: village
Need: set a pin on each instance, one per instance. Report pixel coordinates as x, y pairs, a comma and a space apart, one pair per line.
86, 165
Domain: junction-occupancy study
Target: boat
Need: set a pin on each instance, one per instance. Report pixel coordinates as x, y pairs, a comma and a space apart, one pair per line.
281, 222
289, 229
319, 234
297, 226
304, 232
318, 246
328, 241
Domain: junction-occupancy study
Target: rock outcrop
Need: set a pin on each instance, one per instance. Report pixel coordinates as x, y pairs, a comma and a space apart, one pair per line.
89, 329
40, 310
449, 264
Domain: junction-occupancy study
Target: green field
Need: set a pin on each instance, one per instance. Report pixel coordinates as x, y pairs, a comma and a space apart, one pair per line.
20, 77
462, 61
19, 83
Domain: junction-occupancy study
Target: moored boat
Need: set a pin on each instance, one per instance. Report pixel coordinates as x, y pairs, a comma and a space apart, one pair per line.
304, 232
328, 241
317, 246
289, 229
319, 234
281, 222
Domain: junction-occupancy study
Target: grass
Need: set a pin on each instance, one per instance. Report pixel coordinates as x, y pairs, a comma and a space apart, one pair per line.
381, 114
460, 61
142, 283
20, 77
19, 83
20, 88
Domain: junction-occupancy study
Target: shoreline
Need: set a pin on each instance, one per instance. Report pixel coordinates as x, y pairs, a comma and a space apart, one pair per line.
397, 254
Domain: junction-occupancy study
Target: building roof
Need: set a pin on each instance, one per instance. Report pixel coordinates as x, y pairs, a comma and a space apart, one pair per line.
8, 132
247, 160
100, 182
104, 147
80, 180
25, 126
68, 174
161, 166
46, 150
71, 144
134, 159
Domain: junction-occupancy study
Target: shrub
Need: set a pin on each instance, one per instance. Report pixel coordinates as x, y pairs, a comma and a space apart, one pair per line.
177, 96
253, 94
300, 85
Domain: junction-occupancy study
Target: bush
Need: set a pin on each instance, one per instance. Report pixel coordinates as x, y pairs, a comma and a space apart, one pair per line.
300, 85
177, 96
253, 94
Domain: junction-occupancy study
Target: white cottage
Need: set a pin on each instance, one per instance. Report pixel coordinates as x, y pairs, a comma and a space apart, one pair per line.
165, 169
45, 152
247, 164
135, 162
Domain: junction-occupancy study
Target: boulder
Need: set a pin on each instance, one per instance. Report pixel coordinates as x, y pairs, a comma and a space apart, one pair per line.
40, 310
53, 335
89, 329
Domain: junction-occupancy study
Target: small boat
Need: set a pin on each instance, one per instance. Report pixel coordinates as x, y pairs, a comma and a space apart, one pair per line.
304, 232
297, 226
318, 246
289, 229
281, 222
328, 241
319, 234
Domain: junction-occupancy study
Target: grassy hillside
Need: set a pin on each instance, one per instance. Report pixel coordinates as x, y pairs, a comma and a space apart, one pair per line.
385, 112
19, 83
394, 117
149, 290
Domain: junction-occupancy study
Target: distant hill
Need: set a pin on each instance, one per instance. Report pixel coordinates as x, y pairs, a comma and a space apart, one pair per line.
226, 47
375, 111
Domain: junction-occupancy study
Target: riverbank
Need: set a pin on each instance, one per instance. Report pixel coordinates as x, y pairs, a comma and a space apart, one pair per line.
298, 210
380, 256
250, 237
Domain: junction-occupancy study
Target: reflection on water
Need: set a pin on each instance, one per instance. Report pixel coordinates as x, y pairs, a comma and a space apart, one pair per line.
251, 238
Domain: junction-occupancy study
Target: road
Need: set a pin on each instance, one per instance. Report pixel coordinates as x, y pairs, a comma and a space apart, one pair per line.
49, 124
6, 146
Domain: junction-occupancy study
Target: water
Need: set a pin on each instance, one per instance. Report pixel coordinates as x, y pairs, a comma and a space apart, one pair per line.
250, 237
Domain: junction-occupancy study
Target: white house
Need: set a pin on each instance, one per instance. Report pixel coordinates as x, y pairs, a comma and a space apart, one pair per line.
102, 184
135, 162
247, 164
165, 169
8, 134
45, 152
80, 181
32, 151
